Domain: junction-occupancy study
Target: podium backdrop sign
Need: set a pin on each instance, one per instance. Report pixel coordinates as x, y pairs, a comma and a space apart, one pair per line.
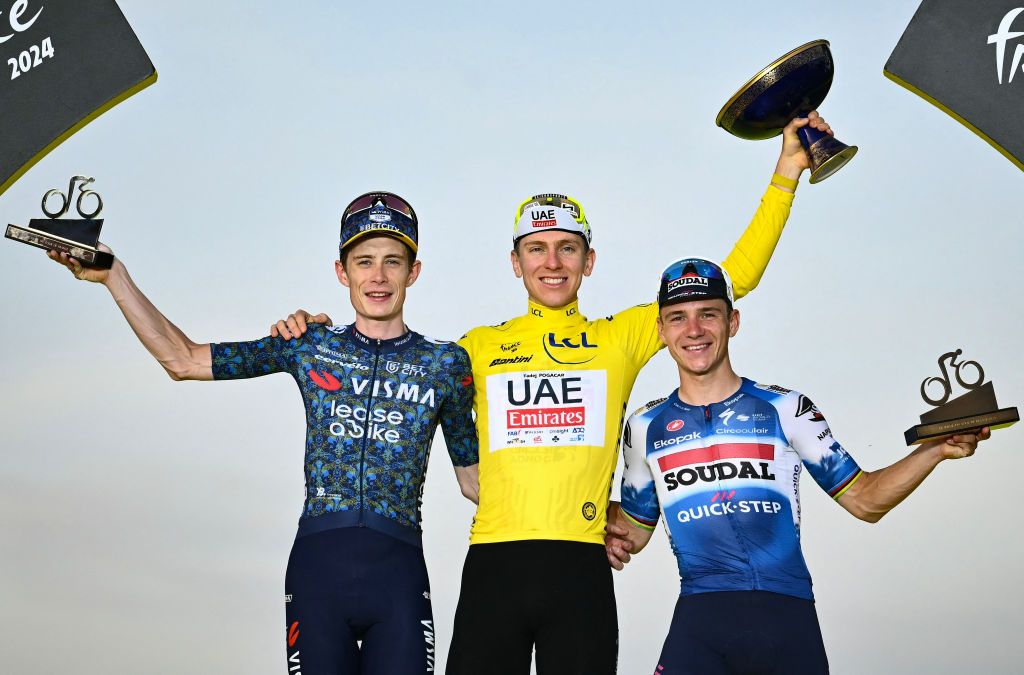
65, 63
967, 58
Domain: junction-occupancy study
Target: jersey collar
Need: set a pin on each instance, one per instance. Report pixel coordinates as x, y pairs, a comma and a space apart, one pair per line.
566, 315
373, 343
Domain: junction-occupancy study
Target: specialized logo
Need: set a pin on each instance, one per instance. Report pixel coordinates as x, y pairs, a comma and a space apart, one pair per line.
589, 511
543, 218
511, 361
553, 345
728, 414
806, 405
1001, 37
324, 380
674, 425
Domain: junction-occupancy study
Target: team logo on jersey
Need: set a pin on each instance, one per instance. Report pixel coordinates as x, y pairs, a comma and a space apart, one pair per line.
719, 462
774, 388
725, 508
546, 407
511, 361
467, 381
553, 347
806, 405
324, 380
589, 511
674, 425
728, 414
293, 633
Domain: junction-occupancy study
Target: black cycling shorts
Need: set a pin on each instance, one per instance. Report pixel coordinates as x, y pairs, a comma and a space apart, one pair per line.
555, 596
743, 633
353, 584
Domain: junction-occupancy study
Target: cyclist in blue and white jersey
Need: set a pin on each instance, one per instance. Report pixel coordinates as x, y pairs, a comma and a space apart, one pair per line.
721, 458
356, 590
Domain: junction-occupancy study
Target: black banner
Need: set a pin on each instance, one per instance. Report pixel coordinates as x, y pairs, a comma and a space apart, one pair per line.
65, 63
967, 58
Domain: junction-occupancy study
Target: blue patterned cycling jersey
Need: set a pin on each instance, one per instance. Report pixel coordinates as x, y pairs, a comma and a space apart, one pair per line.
727, 477
372, 407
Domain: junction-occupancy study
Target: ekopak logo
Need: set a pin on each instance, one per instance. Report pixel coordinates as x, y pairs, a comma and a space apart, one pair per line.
1001, 37
325, 380
674, 425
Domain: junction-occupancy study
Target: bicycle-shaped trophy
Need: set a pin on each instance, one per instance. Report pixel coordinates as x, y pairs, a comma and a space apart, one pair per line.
78, 237
966, 413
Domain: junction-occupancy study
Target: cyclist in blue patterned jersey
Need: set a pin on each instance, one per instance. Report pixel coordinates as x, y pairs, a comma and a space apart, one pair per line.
356, 589
721, 457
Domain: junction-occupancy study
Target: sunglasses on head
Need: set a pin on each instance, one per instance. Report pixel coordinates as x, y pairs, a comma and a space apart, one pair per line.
551, 199
372, 199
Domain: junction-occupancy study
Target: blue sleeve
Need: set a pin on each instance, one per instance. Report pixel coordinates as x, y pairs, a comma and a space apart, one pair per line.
809, 434
639, 495
457, 412
242, 360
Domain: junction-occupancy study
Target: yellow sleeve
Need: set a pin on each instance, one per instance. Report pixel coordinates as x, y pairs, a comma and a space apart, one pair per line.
636, 329
750, 255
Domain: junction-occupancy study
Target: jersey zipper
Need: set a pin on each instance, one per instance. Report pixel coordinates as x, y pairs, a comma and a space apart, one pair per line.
732, 518
366, 431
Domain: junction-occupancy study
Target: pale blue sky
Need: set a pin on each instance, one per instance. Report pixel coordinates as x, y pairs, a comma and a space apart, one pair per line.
145, 524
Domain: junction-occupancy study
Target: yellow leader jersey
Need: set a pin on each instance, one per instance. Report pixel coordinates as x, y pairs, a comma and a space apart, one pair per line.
551, 392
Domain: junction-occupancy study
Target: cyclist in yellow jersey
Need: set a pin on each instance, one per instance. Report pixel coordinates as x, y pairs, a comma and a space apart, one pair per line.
551, 390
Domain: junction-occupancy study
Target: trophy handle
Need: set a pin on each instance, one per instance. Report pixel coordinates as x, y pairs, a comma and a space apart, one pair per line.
826, 153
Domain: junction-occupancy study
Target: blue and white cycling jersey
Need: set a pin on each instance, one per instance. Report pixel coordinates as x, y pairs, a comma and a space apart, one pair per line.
372, 407
727, 477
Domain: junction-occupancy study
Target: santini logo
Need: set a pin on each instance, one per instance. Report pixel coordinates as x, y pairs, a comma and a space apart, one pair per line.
1001, 37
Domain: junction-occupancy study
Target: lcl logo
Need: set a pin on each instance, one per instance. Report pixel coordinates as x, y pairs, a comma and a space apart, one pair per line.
1001, 37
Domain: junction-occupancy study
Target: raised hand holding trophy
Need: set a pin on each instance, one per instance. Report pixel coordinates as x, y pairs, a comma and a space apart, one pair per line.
792, 86
78, 237
964, 414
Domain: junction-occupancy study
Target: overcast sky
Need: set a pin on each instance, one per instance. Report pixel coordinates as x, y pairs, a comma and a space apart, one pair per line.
145, 524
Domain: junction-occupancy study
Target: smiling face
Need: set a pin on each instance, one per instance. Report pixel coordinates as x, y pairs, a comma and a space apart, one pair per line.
377, 272
697, 334
552, 265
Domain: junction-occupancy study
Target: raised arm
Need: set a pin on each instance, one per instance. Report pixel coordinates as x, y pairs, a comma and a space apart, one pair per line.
749, 257
182, 358
876, 493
